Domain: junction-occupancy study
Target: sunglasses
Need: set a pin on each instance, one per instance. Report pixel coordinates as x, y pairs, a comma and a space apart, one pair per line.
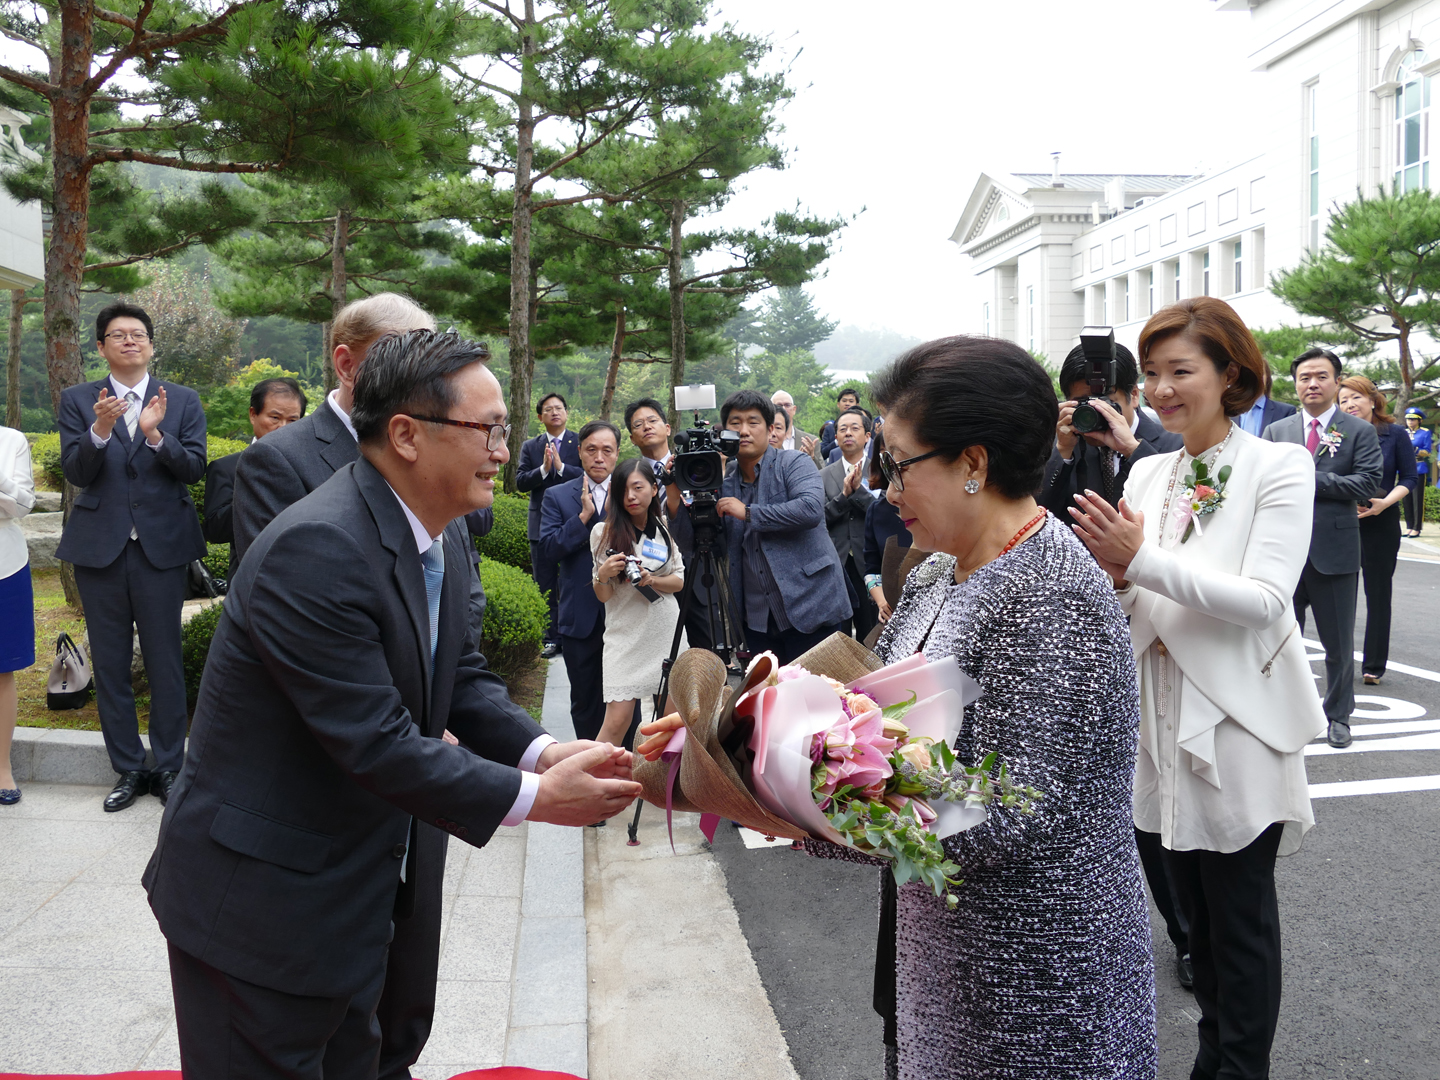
497, 435
891, 469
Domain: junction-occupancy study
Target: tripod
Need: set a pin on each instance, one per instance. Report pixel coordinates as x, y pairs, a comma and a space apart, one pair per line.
710, 570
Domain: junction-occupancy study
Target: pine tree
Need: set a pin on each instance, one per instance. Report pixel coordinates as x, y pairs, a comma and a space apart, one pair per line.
789, 321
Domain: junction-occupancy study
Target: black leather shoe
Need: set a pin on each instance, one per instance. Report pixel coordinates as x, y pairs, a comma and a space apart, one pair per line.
1339, 735
551, 650
126, 790
1184, 972
160, 785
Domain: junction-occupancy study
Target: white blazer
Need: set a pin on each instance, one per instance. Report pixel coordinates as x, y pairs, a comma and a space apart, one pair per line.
1222, 601
17, 498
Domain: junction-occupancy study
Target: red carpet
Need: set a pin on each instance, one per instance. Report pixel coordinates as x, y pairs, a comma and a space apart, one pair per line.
507, 1073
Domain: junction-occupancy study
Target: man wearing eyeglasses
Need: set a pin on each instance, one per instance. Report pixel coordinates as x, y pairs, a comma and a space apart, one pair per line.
132, 443
550, 458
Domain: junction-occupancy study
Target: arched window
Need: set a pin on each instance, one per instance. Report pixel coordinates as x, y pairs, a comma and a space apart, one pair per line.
1412, 124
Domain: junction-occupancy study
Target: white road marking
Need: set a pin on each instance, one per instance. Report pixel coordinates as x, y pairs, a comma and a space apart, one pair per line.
1360, 746
1363, 729
1375, 787
1385, 708
753, 839
1404, 669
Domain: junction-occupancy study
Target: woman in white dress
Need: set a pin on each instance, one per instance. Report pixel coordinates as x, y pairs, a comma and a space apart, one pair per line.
638, 630
1205, 551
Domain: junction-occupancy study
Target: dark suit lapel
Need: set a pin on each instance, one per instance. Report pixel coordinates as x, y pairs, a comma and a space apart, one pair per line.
398, 539
340, 449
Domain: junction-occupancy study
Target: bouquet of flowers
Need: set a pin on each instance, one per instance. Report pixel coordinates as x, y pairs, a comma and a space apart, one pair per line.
865, 763
1201, 496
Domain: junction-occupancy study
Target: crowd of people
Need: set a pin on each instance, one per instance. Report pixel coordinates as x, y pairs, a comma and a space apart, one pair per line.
1130, 598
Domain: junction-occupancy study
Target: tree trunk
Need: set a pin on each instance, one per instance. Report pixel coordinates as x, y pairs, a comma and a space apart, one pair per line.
327, 356
339, 241
522, 362
677, 306
612, 373
1406, 390
12, 360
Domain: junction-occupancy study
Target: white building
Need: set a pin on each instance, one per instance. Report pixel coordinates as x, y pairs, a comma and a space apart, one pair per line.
22, 249
1348, 86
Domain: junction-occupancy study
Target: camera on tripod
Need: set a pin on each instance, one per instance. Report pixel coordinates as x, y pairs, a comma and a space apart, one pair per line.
698, 467
1098, 345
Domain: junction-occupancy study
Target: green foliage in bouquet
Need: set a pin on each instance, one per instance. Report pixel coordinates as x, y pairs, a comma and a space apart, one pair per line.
507, 541
195, 638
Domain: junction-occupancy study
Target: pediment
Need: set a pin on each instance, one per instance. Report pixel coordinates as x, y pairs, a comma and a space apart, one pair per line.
992, 206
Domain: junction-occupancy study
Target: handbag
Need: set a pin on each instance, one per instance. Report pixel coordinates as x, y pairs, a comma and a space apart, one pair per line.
201, 584
68, 685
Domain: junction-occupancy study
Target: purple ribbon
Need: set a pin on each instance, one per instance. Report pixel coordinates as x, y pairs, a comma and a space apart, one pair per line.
671, 756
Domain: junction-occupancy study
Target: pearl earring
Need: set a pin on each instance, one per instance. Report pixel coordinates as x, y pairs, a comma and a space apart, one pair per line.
972, 486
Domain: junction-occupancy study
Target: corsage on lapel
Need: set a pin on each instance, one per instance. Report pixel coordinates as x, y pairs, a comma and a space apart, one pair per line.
1330, 441
1200, 496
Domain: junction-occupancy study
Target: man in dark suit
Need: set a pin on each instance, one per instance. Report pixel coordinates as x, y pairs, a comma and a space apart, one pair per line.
1348, 466
1100, 461
274, 474
344, 651
797, 439
550, 458
273, 404
785, 579
847, 399
847, 499
133, 444
567, 514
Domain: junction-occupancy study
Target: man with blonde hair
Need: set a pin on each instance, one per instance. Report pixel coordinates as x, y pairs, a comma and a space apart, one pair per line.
278, 471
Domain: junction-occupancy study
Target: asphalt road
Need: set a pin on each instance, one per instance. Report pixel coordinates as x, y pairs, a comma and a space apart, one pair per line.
1359, 906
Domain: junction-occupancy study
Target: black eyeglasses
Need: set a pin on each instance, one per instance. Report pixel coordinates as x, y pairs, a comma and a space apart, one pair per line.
497, 434
890, 468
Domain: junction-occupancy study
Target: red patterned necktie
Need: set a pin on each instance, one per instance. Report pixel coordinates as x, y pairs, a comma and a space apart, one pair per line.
1313, 439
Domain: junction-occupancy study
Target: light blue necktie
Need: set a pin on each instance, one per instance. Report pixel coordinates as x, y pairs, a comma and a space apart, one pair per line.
434, 563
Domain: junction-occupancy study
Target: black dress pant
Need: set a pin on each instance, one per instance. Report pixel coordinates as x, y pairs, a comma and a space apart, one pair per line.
583, 656
1379, 545
1332, 598
1162, 889
127, 597
787, 645
231, 1029
546, 575
1234, 916
865, 616
1414, 503
406, 1010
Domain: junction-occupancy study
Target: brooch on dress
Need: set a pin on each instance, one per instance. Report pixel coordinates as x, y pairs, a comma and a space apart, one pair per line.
1201, 495
1330, 441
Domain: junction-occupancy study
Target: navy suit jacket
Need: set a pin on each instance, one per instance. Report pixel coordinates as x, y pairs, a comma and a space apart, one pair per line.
317, 737
1274, 410
219, 523
528, 478
1342, 479
127, 485
565, 541
788, 514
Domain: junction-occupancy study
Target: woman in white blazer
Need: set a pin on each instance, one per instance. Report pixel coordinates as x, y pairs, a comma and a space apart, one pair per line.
1227, 697
17, 604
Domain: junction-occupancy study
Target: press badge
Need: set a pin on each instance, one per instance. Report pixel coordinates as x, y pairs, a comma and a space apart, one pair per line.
655, 549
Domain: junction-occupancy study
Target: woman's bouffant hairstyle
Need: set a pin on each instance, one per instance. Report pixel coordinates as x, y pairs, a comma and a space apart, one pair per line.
1361, 385
1222, 337
620, 533
959, 392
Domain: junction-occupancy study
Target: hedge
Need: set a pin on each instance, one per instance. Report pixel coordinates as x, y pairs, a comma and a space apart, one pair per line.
507, 542
1432, 503
516, 617
217, 560
195, 638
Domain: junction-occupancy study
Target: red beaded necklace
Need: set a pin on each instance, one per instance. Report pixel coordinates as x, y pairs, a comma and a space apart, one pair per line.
1023, 530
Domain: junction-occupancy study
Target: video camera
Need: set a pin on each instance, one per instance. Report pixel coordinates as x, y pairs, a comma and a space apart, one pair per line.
698, 467
1098, 344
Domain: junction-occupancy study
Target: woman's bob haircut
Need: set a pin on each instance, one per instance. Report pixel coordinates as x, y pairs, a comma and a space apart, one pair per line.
1213, 325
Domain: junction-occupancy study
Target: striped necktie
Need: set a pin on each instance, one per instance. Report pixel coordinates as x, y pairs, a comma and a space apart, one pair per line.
132, 413
434, 563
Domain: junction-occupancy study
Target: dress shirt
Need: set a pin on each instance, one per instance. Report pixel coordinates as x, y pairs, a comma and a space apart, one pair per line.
762, 595
17, 498
119, 390
529, 782
598, 493
553, 440
1253, 421
789, 443
334, 399
1324, 418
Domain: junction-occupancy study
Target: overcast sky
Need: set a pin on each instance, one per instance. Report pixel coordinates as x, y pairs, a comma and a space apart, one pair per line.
901, 106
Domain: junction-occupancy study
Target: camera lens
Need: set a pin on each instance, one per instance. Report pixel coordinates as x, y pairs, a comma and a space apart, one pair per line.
1086, 418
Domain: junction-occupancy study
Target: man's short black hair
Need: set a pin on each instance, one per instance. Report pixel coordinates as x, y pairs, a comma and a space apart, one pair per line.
1317, 354
599, 425
856, 410
262, 390
848, 390
540, 405
643, 403
409, 373
1077, 369
121, 310
747, 401
782, 413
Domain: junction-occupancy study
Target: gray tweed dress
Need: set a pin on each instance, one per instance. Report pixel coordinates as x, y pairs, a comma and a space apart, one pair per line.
1045, 969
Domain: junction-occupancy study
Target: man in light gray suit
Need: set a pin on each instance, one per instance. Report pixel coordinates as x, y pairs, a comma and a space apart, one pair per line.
784, 577
290, 847
847, 499
1348, 467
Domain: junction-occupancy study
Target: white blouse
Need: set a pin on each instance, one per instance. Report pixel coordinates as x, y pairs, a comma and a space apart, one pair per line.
17, 498
1221, 790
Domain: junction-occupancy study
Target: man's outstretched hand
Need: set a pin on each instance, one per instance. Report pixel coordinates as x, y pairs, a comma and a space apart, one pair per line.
582, 783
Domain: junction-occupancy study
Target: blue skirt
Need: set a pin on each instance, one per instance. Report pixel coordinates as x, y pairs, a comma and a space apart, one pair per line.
17, 621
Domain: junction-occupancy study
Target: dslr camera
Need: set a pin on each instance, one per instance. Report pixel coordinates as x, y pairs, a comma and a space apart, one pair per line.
698, 467
633, 573
1098, 344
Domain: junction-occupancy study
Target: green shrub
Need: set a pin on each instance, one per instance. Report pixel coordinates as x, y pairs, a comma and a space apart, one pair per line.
507, 542
214, 448
195, 638
217, 560
516, 617
1432, 503
45, 461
